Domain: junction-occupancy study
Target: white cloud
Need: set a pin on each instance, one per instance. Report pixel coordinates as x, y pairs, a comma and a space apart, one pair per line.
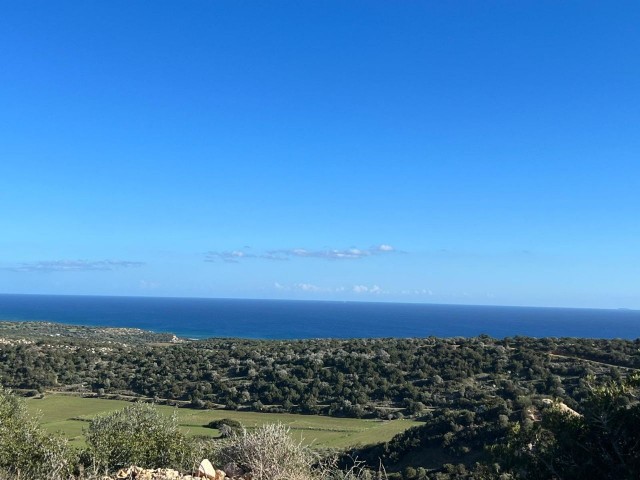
418, 291
312, 288
308, 287
374, 289
360, 290
353, 253
301, 287
233, 256
73, 265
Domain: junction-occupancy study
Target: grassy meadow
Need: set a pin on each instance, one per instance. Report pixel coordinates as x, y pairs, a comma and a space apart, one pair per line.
69, 415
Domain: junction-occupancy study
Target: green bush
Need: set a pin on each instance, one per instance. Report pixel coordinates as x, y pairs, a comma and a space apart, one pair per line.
227, 426
138, 435
25, 449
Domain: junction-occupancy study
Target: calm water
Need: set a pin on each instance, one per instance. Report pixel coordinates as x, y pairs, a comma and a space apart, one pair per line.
200, 318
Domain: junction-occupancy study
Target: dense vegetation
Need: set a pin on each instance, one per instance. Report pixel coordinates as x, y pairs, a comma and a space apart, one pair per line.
363, 377
471, 393
139, 435
600, 442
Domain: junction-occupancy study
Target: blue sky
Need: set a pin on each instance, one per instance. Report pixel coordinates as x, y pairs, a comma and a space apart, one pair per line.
447, 152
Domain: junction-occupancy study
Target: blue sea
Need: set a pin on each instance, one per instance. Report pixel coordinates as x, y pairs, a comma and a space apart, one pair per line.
283, 319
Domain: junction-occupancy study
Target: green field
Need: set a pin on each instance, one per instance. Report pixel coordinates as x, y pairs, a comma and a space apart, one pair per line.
68, 415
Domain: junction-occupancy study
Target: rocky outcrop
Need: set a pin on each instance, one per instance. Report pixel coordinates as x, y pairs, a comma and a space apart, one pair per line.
564, 408
139, 473
205, 470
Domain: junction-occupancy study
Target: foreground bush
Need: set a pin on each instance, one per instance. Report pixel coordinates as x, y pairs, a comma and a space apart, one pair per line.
269, 452
25, 449
138, 435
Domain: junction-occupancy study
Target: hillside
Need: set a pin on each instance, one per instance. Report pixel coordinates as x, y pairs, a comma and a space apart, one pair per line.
466, 393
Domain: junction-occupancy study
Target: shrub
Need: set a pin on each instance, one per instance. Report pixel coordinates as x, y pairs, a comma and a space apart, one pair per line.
138, 435
269, 452
25, 450
227, 426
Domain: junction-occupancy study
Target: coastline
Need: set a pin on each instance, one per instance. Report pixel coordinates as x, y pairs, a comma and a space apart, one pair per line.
289, 320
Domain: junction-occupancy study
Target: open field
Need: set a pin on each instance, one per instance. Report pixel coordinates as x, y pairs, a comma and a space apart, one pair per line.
69, 414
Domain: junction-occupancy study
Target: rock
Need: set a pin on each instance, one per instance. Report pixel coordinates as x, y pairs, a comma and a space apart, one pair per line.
144, 474
232, 470
123, 473
129, 473
564, 408
166, 474
206, 470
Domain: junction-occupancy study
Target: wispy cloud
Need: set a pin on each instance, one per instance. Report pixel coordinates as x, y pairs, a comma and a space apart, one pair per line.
374, 289
148, 285
72, 265
418, 291
235, 256
311, 288
302, 287
333, 254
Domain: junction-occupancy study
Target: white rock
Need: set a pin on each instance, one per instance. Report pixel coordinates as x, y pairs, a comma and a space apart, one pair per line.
206, 470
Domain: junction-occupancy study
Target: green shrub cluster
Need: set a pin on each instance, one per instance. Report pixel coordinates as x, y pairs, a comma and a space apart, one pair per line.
25, 449
138, 435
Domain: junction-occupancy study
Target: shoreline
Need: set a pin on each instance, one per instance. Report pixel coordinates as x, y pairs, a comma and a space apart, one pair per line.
17, 329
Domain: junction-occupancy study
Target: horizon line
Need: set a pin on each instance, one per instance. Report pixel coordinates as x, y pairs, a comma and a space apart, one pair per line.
319, 301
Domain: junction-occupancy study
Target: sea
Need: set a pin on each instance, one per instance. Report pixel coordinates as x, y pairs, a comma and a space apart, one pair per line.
287, 319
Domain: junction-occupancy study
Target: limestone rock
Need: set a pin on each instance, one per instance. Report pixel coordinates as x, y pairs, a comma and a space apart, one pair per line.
122, 473
138, 473
144, 475
564, 408
167, 474
206, 470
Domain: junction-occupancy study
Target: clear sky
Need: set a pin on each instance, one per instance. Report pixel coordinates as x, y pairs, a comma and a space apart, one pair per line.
479, 152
